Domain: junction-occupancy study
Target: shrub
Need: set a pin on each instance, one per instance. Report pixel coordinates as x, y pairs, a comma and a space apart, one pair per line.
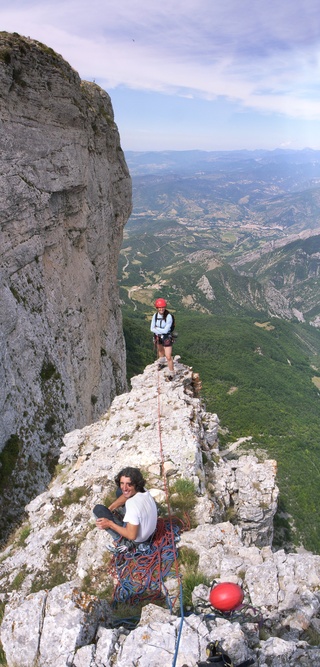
8, 458
182, 497
189, 582
56, 516
191, 577
188, 558
5, 56
18, 580
48, 370
71, 496
55, 577
3, 659
96, 581
25, 532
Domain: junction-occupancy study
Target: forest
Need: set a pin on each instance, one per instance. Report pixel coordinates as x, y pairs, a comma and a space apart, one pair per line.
259, 377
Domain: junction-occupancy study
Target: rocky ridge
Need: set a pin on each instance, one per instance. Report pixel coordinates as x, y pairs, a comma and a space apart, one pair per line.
65, 198
292, 270
50, 616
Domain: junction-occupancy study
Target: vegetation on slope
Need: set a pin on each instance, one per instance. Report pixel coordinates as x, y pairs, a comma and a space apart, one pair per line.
258, 377
194, 212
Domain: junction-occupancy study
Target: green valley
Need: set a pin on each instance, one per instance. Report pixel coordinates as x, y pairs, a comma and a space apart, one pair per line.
240, 293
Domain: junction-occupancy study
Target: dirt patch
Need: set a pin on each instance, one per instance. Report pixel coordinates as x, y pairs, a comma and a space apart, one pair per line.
264, 325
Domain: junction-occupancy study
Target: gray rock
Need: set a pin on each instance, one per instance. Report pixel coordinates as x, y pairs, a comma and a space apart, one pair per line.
106, 642
65, 198
48, 628
247, 487
85, 656
20, 645
279, 588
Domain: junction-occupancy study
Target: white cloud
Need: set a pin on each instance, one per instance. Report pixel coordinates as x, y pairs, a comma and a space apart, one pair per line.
264, 55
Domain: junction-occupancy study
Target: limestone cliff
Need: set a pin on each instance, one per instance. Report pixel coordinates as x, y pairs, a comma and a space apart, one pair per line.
65, 196
54, 575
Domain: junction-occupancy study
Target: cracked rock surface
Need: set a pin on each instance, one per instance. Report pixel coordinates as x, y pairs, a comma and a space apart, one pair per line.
54, 622
65, 197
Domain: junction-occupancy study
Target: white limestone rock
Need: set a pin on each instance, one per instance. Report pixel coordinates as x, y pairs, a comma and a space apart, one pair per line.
20, 645
248, 487
106, 644
48, 627
283, 588
85, 656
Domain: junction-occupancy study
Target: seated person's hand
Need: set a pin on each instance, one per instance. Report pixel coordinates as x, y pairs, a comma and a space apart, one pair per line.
103, 523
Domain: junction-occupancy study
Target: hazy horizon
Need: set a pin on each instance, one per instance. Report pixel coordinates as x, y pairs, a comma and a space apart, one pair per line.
193, 74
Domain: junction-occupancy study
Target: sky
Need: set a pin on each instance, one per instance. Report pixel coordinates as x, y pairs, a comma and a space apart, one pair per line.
191, 74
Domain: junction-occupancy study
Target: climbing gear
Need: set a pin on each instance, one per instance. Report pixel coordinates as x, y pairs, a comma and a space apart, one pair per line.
122, 548
167, 340
140, 572
113, 550
164, 317
143, 547
216, 656
160, 303
226, 596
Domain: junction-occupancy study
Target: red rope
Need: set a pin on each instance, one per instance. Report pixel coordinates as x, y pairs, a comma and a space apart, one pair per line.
141, 575
165, 485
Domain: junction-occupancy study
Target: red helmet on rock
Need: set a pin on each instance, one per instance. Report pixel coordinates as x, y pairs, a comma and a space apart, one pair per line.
226, 596
160, 303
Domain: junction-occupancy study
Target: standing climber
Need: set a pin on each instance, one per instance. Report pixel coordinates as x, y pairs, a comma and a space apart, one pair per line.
161, 326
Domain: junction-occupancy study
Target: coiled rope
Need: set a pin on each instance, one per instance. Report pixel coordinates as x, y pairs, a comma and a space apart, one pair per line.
140, 576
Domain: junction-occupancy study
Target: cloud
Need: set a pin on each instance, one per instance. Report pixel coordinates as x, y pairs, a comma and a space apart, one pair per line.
262, 55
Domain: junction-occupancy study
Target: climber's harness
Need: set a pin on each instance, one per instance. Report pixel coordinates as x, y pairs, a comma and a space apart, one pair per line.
166, 339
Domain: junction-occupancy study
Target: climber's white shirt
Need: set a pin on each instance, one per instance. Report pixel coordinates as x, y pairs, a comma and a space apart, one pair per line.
141, 510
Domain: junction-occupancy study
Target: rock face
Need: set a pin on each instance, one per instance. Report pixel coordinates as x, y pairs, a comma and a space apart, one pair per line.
65, 197
54, 575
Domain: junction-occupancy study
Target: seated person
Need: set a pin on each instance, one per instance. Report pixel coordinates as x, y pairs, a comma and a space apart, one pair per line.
138, 509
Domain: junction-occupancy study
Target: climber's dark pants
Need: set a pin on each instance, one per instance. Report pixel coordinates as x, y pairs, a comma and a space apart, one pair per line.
102, 512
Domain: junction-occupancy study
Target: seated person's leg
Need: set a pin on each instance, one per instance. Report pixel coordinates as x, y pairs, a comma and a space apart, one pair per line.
100, 511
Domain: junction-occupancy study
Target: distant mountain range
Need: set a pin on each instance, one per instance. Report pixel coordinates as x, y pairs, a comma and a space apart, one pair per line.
293, 270
228, 232
258, 193
304, 163
232, 240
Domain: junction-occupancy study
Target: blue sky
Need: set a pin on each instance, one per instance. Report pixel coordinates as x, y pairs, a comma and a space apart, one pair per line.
191, 74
